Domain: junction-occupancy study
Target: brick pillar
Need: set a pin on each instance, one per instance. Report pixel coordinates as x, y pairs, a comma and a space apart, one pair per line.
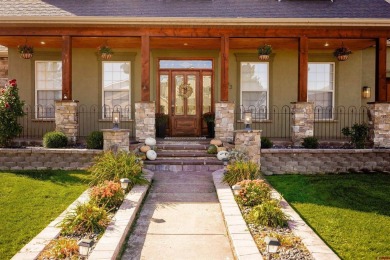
302, 124
116, 139
379, 121
250, 141
145, 120
224, 121
66, 118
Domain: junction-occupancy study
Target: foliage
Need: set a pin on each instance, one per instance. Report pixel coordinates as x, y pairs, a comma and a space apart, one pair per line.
209, 117
241, 170
114, 166
269, 214
359, 134
11, 107
253, 192
62, 248
55, 140
25, 49
95, 140
238, 155
212, 149
161, 119
266, 143
105, 49
266, 49
341, 51
310, 142
108, 194
86, 218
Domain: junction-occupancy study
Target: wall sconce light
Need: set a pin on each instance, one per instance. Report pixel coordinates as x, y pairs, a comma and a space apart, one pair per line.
366, 92
248, 120
85, 247
124, 183
116, 118
272, 245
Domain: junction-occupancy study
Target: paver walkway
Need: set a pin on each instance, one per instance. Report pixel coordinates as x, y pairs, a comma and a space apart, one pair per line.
180, 219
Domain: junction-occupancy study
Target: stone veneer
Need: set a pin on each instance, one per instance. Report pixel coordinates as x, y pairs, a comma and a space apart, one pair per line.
66, 118
379, 120
224, 121
302, 124
250, 142
116, 139
145, 120
311, 161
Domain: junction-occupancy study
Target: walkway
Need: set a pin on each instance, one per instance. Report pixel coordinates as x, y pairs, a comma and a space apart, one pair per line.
180, 219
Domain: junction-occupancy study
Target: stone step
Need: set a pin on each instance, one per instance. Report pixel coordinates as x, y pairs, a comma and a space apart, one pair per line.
184, 153
185, 161
186, 147
182, 168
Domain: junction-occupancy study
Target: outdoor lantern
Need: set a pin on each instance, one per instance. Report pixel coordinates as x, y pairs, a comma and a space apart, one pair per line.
236, 189
124, 183
272, 244
85, 247
248, 120
225, 163
116, 119
366, 92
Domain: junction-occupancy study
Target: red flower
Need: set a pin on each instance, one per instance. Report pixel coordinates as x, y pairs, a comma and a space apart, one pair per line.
6, 105
12, 81
13, 84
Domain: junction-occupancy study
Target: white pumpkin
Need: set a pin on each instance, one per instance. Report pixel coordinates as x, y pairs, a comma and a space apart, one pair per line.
151, 155
150, 141
222, 155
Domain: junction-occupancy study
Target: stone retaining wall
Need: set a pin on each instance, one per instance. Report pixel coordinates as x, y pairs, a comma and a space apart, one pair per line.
42, 159
309, 161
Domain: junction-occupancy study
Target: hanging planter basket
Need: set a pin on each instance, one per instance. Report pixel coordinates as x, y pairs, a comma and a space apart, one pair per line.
263, 57
106, 56
25, 51
26, 55
342, 57
342, 53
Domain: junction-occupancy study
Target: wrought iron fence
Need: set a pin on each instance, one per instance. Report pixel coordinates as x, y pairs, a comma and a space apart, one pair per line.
37, 121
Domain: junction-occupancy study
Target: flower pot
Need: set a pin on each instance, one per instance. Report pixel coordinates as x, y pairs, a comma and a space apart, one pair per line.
161, 129
106, 56
210, 129
26, 55
263, 57
342, 57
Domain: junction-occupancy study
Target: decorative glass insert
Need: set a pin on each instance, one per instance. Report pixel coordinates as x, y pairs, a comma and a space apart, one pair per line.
206, 94
179, 101
191, 100
164, 81
186, 64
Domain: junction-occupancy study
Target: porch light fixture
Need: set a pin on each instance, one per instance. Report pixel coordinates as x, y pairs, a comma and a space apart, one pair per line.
225, 163
85, 246
124, 183
116, 119
236, 189
366, 92
248, 120
272, 245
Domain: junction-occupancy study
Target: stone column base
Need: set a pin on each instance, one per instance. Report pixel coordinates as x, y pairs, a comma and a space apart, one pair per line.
66, 119
379, 121
224, 121
116, 140
145, 120
302, 124
250, 141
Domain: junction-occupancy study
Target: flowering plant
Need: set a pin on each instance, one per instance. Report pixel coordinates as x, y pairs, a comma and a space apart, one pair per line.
253, 192
105, 49
266, 49
209, 117
341, 51
25, 49
108, 194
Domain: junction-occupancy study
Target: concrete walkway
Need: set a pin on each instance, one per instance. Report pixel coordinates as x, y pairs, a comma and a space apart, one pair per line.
181, 219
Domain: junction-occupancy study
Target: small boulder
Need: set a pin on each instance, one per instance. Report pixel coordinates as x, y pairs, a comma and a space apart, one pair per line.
216, 142
144, 148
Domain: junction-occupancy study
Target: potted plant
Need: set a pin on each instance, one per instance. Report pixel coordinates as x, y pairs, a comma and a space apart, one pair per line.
161, 124
342, 53
26, 51
105, 52
264, 52
209, 117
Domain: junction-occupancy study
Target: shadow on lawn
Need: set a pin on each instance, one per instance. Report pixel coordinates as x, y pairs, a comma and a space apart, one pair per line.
60, 177
367, 192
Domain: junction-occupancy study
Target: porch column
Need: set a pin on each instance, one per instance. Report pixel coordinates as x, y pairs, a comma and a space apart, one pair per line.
225, 68
66, 67
303, 68
302, 124
145, 120
381, 94
379, 122
224, 121
66, 119
145, 73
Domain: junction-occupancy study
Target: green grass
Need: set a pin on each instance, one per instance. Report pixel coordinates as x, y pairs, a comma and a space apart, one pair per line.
350, 212
30, 200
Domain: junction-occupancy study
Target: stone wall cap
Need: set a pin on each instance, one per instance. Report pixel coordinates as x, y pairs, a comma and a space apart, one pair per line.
247, 131
324, 151
115, 130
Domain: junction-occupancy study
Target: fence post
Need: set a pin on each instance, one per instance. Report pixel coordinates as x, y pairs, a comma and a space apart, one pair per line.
379, 121
302, 121
66, 118
224, 121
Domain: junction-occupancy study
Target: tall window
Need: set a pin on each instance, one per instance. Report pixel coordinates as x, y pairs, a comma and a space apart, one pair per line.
321, 88
48, 87
254, 88
116, 88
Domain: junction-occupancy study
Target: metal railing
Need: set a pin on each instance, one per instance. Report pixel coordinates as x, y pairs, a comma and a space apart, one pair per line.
37, 121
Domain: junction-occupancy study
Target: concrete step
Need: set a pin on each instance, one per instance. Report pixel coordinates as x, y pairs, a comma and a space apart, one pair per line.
184, 153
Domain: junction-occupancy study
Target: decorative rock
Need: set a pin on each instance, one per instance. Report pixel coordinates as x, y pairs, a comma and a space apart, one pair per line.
212, 149
219, 149
144, 148
151, 155
150, 141
222, 155
216, 142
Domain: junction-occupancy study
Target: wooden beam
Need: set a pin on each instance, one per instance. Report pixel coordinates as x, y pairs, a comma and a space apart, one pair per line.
303, 60
380, 71
145, 63
66, 67
225, 68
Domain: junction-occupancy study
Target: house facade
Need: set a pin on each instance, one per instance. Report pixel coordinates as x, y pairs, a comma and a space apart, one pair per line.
187, 58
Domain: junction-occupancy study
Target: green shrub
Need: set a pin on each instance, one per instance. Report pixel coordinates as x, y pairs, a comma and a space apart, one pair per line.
269, 214
253, 192
266, 143
111, 166
86, 218
108, 194
95, 140
358, 133
55, 140
62, 248
238, 155
241, 170
310, 142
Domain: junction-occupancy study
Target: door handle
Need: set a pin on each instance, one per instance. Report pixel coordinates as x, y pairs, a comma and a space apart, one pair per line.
173, 110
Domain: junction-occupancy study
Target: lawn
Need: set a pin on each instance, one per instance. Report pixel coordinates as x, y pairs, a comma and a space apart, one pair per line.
32, 199
350, 212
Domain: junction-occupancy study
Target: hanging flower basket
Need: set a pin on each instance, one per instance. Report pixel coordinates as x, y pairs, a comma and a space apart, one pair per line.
25, 51
105, 52
264, 52
26, 55
342, 57
263, 57
342, 53
106, 56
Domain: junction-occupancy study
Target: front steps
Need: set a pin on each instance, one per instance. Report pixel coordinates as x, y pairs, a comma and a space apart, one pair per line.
177, 156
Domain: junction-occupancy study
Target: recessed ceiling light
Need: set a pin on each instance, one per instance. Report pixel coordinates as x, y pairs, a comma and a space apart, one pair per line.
185, 44
43, 43
326, 44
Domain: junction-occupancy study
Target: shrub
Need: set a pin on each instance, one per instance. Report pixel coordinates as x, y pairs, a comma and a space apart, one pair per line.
358, 133
253, 192
268, 214
11, 107
238, 155
63, 248
85, 218
108, 194
266, 143
114, 166
95, 140
241, 170
55, 140
310, 143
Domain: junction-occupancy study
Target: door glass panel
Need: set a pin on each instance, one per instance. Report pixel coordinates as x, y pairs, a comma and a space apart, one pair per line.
164, 94
206, 94
186, 64
179, 100
191, 100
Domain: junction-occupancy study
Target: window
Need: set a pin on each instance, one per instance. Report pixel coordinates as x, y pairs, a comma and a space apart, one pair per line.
321, 88
116, 88
48, 87
254, 88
